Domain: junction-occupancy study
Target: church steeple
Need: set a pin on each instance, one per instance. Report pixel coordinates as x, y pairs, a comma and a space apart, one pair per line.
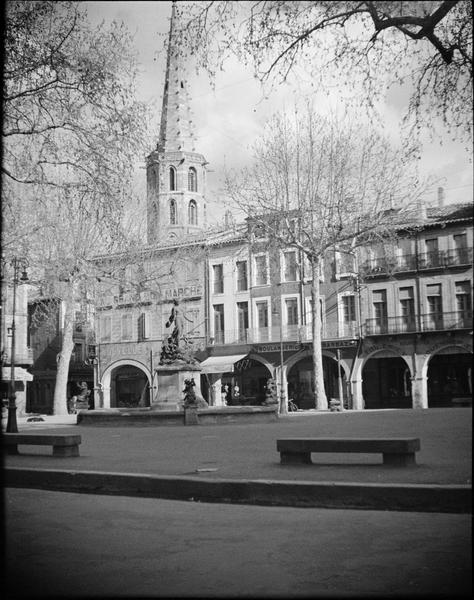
176, 173
176, 130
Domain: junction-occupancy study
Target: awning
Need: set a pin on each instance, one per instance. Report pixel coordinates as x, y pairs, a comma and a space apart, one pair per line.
20, 374
221, 364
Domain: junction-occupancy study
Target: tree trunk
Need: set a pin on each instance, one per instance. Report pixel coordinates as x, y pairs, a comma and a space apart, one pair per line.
321, 402
64, 357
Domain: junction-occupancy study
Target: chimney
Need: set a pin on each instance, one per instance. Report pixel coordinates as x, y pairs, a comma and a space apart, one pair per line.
440, 197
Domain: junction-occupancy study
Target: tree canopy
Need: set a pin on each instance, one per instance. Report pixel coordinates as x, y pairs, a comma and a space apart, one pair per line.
369, 46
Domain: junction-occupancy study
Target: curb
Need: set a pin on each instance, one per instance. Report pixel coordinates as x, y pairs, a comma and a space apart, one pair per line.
369, 496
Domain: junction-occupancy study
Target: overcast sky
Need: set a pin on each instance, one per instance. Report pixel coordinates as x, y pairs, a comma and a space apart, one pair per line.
229, 118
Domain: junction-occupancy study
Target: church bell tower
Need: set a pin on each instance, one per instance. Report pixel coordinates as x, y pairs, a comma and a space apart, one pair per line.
176, 173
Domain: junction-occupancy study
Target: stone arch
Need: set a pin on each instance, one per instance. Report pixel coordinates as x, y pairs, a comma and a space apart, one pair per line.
392, 376
106, 377
451, 377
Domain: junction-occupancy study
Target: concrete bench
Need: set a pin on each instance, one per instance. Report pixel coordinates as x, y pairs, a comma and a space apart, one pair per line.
399, 452
63, 444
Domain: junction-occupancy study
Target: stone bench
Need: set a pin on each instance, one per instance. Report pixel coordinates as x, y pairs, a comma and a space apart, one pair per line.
399, 452
63, 444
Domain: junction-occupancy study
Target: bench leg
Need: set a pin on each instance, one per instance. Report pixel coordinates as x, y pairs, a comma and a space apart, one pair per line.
66, 450
295, 458
399, 460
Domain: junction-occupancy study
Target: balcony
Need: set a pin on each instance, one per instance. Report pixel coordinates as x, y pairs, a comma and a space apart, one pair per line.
290, 333
440, 259
447, 321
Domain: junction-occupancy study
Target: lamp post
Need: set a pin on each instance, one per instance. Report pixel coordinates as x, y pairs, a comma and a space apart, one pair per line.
17, 263
283, 405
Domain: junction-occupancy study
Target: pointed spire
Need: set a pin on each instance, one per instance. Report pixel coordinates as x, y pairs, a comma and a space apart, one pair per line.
176, 129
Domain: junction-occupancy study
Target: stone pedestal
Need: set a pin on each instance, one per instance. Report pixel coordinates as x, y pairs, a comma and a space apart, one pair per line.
191, 416
170, 380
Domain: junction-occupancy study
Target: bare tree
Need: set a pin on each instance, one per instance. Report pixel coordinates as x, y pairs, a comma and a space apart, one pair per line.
369, 46
319, 184
72, 131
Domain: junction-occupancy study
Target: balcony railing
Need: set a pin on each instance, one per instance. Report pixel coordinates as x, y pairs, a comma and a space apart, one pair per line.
409, 262
289, 333
428, 322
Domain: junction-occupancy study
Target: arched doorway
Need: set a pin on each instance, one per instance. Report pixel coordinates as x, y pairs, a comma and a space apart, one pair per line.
301, 381
129, 387
251, 376
386, 383
449, 377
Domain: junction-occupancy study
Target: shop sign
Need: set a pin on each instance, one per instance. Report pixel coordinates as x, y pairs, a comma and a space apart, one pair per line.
288, 347
188, 291
339, 344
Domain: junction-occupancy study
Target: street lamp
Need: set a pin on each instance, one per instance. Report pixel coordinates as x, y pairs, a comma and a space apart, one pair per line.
17, 264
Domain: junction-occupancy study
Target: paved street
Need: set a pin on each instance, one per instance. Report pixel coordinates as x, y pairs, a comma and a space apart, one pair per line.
75, 545
249, 451
64, 544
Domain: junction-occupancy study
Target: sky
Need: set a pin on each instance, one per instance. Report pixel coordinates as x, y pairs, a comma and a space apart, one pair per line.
229, 118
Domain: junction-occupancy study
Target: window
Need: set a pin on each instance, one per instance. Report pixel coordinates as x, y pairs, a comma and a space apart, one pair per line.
106, 329
242, 282
291, 305
218, 278
78, 353
463, 303
218, 323
261, 276
460, 248
173, 212
192, 179
434, 306
172, 179
242, 320
348, 309
289, 266
127, 327
262, 314
344, 264
432, 253
407, 308
192, 213
379, 301
144, 326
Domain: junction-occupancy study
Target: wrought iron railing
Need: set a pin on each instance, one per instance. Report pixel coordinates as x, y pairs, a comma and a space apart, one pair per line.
288, 333
427, 322
411, 262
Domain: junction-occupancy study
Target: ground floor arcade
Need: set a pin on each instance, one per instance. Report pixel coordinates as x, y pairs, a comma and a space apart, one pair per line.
405, 373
